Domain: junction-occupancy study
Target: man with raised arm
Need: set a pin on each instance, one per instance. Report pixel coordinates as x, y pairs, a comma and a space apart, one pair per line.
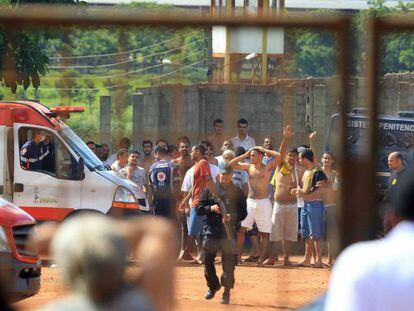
259, 207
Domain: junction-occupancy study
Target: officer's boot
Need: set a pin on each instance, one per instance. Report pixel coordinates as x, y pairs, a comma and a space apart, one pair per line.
225, 300
211, 293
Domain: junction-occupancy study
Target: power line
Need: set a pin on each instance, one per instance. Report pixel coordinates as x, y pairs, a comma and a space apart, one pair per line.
123, 84
122, 62
119, 53
124, 73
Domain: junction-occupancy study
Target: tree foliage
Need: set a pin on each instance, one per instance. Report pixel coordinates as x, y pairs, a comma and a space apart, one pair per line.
314, 52
23, 59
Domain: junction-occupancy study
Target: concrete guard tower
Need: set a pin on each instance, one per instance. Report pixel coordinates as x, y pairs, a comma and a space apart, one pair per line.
250, 55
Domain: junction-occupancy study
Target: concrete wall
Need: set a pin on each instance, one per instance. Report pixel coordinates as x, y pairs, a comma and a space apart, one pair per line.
174, 110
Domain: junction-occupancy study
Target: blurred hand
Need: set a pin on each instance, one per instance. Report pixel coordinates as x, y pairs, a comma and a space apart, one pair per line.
215, 209
297, 192
40, 239
288, 131
312, 136
261, 149
130, 171
183, 205
226, 218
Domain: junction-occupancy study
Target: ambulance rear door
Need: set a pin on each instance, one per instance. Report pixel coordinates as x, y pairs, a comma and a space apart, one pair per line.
53, 191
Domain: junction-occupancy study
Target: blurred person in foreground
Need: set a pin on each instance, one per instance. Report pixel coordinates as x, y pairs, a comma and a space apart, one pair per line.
220, 231
379, 275
91, 250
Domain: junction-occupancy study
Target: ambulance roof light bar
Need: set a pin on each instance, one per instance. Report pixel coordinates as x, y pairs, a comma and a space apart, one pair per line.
63, 112
58, 109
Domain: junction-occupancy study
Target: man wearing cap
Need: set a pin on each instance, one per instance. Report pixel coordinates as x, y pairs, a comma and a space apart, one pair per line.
311, 216
215, 236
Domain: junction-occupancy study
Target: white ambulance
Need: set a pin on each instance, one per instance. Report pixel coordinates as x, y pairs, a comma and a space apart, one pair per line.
74, 179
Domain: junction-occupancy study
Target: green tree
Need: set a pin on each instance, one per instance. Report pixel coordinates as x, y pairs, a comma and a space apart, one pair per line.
314, 54
396, 49
23, 59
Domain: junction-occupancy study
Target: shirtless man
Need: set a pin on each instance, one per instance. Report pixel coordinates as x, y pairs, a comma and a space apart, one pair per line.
259, 207
149, 159
184, 163
285, 208
217, 137
330, 199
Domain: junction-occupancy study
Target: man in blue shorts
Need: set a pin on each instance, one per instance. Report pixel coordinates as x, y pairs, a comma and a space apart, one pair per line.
312, 213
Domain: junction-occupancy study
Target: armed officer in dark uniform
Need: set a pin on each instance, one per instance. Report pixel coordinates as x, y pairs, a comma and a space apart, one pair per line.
220, 231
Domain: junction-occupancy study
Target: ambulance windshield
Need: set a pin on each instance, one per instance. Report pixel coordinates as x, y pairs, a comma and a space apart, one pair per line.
91, 160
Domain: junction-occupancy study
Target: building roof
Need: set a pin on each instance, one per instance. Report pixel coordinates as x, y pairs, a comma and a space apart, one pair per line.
290, 4
334, 4
189, 3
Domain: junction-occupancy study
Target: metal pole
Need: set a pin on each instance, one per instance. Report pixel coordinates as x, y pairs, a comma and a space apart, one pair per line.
264, 10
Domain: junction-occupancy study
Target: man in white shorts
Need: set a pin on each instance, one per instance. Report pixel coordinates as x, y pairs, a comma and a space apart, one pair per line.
259, 207
285, 209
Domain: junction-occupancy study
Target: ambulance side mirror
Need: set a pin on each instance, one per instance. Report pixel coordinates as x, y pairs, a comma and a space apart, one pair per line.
80, 168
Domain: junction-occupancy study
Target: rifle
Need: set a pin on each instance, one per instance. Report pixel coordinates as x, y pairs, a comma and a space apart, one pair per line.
227, 225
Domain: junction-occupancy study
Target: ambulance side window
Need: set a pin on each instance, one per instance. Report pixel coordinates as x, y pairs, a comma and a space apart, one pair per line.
49, 155
65, 163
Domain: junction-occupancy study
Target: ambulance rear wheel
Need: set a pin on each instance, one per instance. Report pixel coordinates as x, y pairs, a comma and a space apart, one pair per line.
80, 212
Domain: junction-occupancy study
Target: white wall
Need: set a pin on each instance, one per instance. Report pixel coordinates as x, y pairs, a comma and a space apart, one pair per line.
248, 40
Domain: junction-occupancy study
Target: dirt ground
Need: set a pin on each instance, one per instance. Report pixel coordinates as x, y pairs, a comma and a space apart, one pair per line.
269, 288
